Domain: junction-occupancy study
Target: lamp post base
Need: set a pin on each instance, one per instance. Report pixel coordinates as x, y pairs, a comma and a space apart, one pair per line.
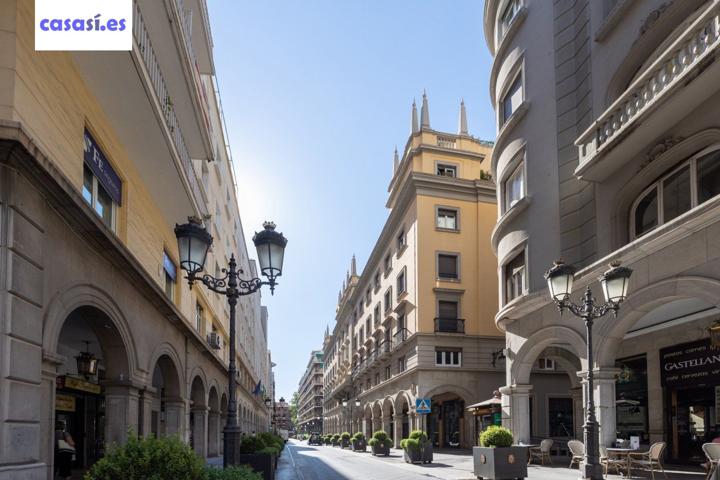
593, 472
231, 442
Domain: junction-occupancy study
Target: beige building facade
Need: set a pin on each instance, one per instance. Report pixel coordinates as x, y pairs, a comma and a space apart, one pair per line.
417, 322
101, 154
608, 149
310, 396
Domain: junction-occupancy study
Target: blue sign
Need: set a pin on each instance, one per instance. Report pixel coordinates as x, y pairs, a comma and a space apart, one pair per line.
422, 405
98, 163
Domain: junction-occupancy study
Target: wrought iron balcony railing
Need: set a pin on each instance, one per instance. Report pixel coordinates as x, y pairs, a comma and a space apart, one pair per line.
450, 325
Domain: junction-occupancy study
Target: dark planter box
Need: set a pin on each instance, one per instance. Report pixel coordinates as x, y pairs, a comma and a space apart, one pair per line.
358, 446
335, 443
260, 462
423, 455
380, 450
344, 443
500, 463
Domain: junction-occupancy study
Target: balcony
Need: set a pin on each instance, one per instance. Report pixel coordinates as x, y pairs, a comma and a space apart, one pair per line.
675, 84
399, 338
450, 325
384, 349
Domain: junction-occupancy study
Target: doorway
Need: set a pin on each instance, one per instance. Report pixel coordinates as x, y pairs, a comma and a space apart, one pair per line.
695, 422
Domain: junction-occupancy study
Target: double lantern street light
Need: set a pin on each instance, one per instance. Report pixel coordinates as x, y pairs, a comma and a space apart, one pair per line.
194, 241
614, 283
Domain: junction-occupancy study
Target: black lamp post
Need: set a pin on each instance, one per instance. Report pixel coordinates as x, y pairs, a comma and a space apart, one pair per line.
194, 241
345, 404
615, 287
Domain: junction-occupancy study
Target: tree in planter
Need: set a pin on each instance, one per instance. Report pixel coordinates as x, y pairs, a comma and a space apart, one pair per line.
380, 443
345, 439
417, 448
358, 442
336, 440
496, 458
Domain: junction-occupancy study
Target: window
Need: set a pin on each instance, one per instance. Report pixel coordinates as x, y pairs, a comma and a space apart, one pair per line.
377, 379
446, 170
377, 314
401, 364
685, 187
368, 296
388, 300
515, 277
512, 99
362, 336
170, 276
401, 287
507, 16
198, 317
448, 357
98, 198
387, 373
401, 241
388, 263
545, 364
448, 309
447, 218
448, 266
560, 417
368, 323
376, 281
513, 187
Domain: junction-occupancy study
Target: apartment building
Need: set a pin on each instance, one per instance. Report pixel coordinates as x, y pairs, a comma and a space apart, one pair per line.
608, 150
101, 154
310, 396
283, 421
418, 321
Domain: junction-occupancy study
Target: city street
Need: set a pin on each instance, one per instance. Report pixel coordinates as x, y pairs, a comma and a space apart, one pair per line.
302, 462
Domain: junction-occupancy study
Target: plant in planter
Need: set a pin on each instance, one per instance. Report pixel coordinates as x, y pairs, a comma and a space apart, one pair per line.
358, 442
336, 440
417, 448
496, 458
345, 440
262, 458
327, 439
380, 443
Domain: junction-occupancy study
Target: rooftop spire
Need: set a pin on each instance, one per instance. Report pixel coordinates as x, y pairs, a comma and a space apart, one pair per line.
353, 266
414, 127
425, 112
462, 121
396, 161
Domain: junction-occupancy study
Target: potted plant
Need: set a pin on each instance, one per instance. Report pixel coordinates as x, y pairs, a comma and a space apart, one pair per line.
496, 458
261, 458
336, 440
345, 440
358, 442
417, 448
327, 439
380, 443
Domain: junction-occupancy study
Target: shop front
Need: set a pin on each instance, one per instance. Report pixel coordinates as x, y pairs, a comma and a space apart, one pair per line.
690, 376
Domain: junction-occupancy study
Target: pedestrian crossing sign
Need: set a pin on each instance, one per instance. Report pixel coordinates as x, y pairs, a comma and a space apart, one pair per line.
422, 405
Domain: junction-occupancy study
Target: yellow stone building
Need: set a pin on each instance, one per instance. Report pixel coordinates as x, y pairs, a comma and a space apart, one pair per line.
418, 322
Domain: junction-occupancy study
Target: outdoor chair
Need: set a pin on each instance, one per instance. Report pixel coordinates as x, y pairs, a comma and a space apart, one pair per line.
712, 452
609, 462
650, 460
542, 452
577, 450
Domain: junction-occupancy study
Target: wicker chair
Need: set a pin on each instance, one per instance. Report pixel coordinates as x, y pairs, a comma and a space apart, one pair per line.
650, 460
577, 450
712, 452
608, 462
542, 452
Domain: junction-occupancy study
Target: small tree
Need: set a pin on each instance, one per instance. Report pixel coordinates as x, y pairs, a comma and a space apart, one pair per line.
496, 436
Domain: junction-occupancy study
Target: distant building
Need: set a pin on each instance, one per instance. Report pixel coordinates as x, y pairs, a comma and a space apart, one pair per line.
310, 391
282, 415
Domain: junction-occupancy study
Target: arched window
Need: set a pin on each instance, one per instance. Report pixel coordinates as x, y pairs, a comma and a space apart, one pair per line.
686, 186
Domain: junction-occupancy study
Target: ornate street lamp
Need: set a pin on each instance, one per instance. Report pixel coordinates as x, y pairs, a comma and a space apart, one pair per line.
87, 363
614, 283
194, 241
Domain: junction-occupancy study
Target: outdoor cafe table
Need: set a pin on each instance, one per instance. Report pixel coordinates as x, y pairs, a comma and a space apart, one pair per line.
528, 446
622, 452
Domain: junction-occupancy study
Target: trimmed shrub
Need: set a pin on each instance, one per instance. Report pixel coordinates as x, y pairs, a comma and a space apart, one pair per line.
269, 451
380, 438
150, 458
359, 436
251, 444
336, 438
272, 440
232, 473
496, 436
345, 436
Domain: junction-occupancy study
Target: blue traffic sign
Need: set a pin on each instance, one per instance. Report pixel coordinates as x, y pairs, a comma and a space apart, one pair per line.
422, 405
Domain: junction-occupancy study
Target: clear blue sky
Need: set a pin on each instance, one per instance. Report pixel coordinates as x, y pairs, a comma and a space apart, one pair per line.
317, 94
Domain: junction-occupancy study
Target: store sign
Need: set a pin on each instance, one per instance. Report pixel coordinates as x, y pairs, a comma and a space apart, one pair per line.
64, 403
690, 364
73, 383
100, 166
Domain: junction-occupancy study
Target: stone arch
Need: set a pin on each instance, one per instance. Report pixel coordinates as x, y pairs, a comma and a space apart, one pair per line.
214, 427
198, 415
63, 304
197, 373
166, 354
524, 358
462, 392
168, 394
645, 300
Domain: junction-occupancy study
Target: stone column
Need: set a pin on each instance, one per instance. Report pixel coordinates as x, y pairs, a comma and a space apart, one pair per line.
605, 404
145, 405
199, 429
175, 417
516, 411
214, 434
122, 408
397, 425
578, 410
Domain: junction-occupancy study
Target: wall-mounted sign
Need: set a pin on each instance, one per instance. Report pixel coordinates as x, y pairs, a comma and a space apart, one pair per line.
64, 403
694, 363
422, 405
98, 163
73, 383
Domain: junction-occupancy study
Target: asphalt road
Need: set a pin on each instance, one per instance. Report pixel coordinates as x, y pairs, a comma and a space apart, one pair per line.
303, 462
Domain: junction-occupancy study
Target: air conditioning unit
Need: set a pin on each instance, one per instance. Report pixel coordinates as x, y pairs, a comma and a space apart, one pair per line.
214, 340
